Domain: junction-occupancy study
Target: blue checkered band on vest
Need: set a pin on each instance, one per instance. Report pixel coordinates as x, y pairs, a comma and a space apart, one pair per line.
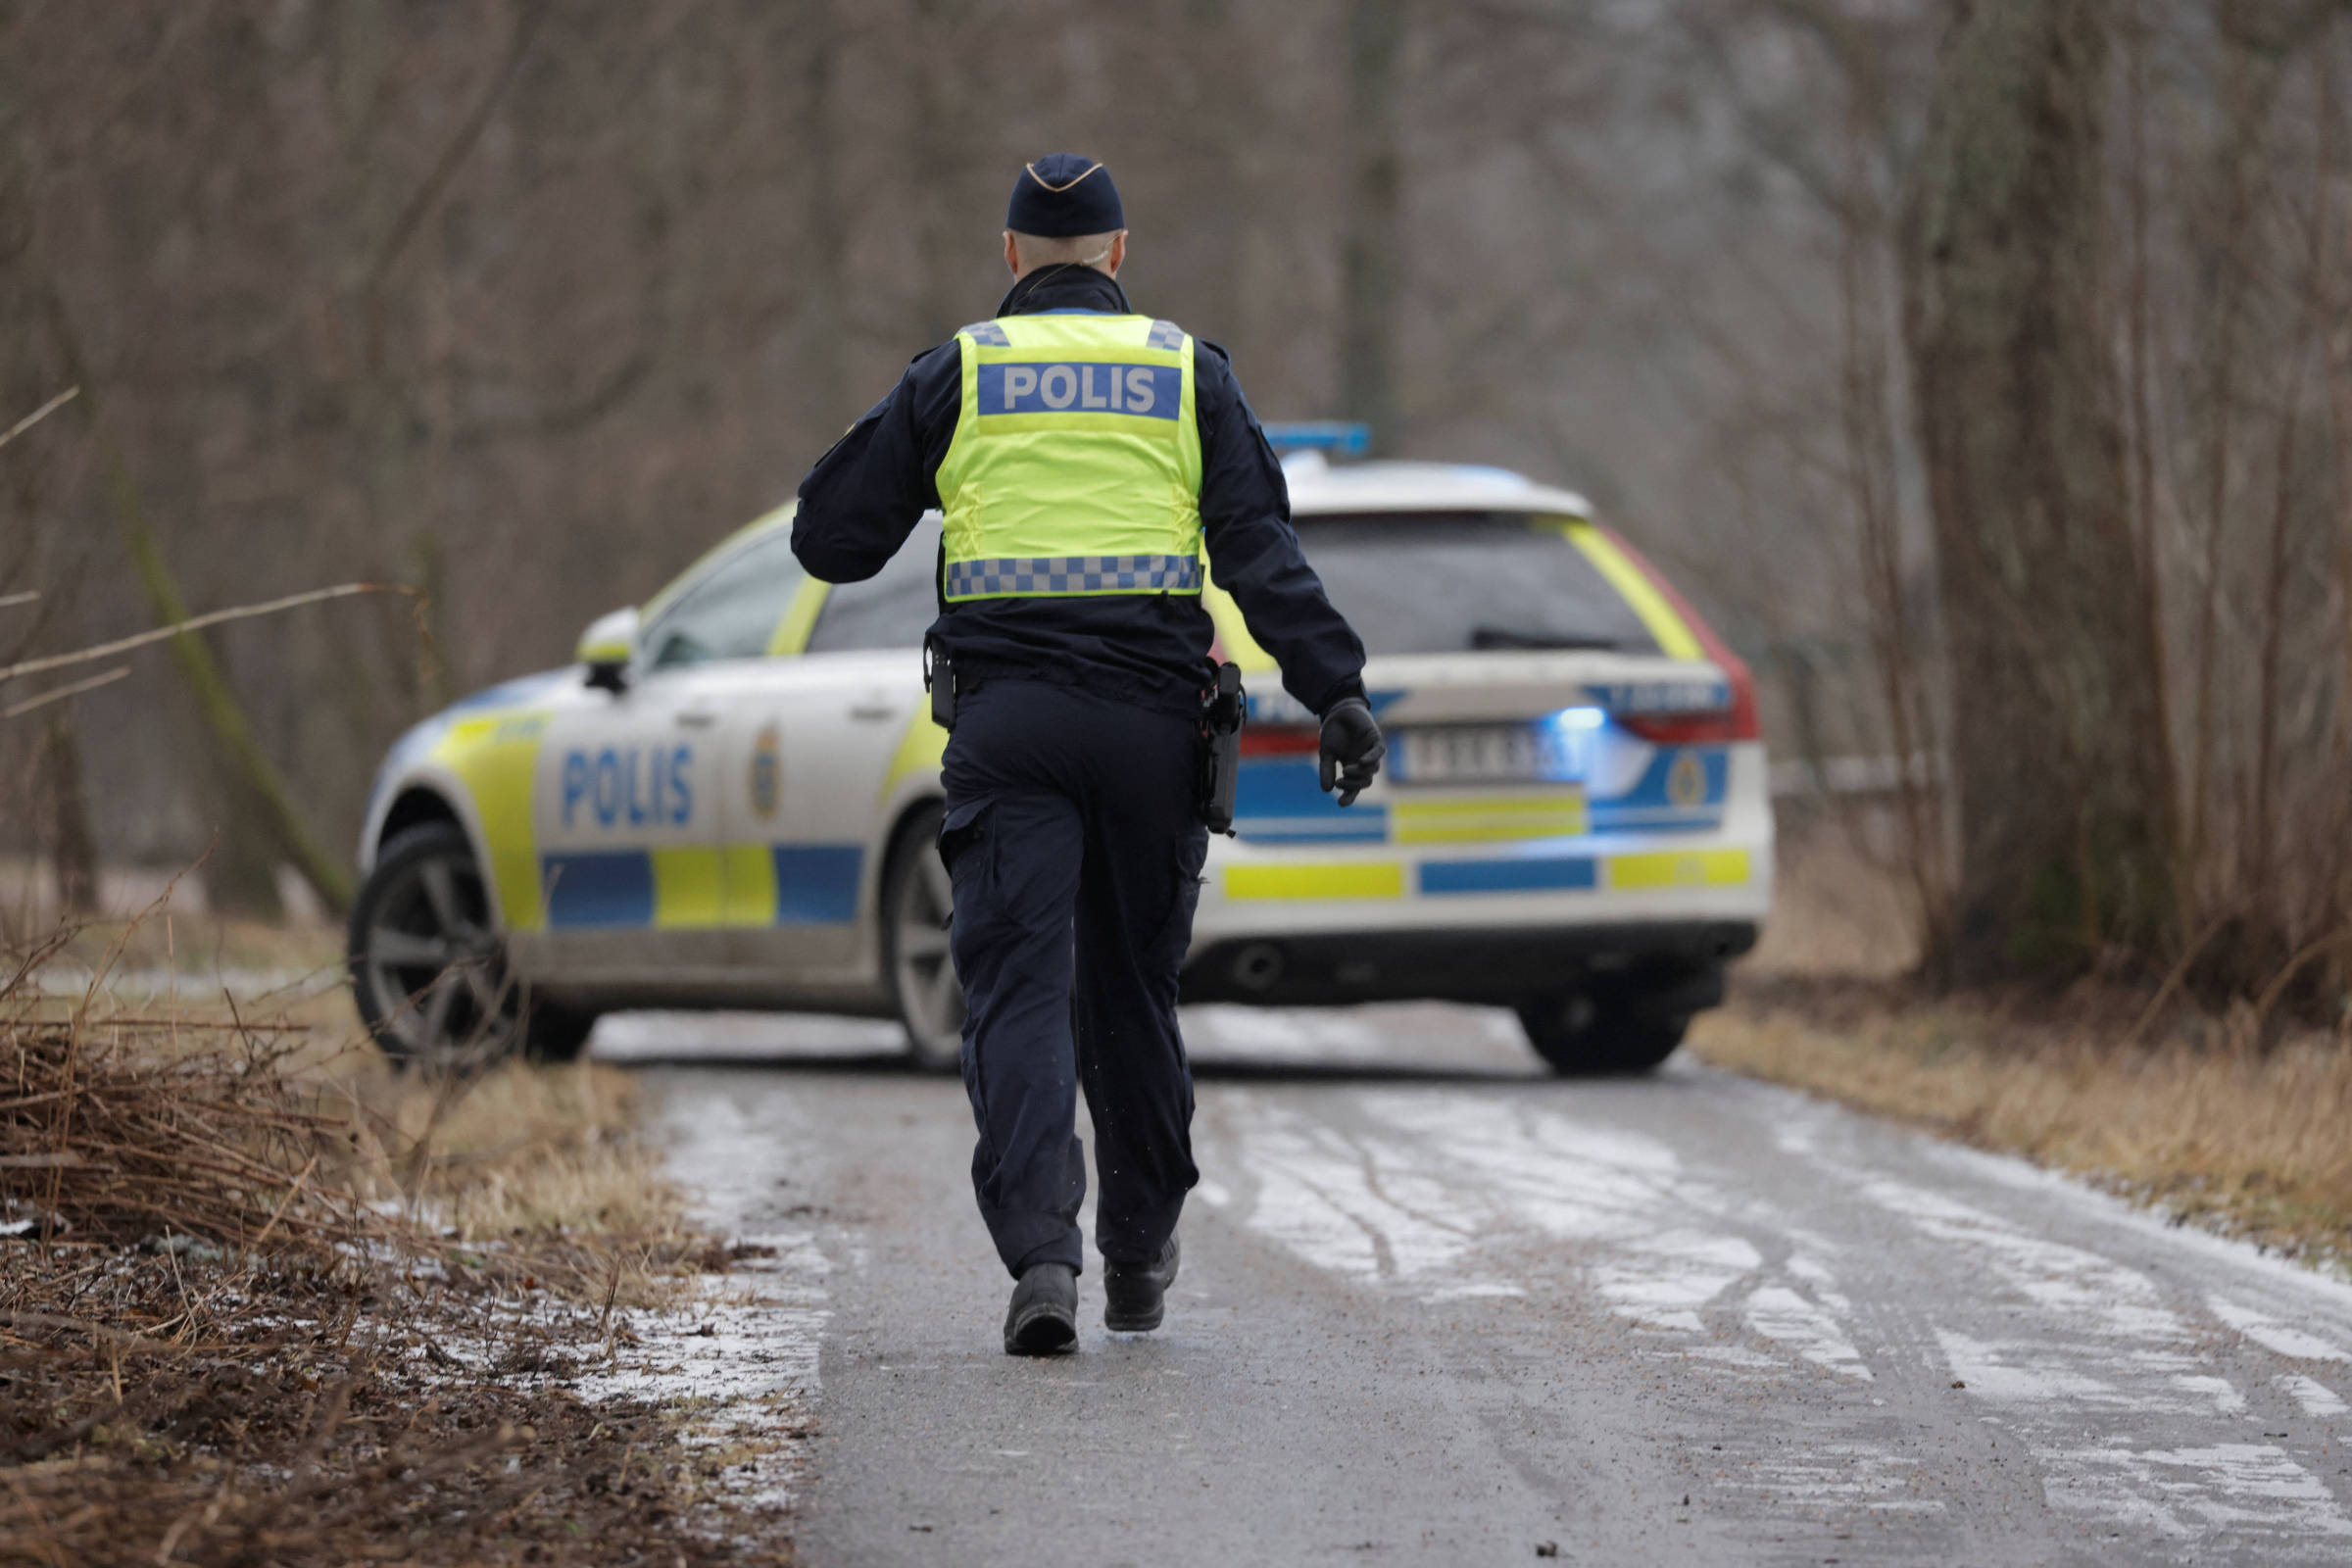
1073, 574
1165, 336
989, 332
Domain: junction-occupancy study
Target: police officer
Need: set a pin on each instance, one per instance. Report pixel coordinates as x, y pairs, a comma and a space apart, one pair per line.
1083, 456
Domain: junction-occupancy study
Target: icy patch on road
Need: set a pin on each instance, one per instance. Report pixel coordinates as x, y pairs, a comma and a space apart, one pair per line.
1350, 1206
2102, 1337
1779, 1313
2093, 1294
1845, 1475
2230, 1490
1663, 1281
722, 1036
1220, 1029
2274, 1336
742, 1363
2318, 1400
2013, 1373
1416, 1184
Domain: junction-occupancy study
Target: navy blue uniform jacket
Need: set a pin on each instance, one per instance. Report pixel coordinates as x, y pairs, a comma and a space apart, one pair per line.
864, 497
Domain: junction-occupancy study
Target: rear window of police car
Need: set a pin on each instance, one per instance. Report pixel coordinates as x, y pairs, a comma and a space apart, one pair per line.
1410, 582
1450, 583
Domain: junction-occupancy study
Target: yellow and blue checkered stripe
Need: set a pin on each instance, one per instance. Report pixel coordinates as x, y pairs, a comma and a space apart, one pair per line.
1073, 574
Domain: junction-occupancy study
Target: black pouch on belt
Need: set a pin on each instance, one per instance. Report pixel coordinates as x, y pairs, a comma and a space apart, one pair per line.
939, 679
1224, 709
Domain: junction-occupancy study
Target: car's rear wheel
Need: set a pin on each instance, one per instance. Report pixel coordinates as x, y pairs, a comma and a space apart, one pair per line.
1619, 1024
917, 901
427, 968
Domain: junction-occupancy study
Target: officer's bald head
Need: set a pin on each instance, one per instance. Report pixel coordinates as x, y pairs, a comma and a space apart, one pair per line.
1026, 253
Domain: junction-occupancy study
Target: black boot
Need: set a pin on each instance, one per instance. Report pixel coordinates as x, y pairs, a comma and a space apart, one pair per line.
1136, 1295
1043, 1319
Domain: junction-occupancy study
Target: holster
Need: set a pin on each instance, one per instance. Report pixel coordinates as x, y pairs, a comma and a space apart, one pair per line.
1224, 709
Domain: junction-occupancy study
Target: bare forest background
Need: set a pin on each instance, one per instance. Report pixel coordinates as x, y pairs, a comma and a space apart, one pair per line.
1982, 367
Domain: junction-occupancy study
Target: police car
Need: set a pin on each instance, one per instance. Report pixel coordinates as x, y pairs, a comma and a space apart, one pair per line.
730, 800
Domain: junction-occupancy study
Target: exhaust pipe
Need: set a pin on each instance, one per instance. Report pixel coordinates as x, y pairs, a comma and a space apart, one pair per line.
1257, 966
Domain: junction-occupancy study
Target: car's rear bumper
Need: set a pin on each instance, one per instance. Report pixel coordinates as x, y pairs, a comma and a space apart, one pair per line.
1453, 963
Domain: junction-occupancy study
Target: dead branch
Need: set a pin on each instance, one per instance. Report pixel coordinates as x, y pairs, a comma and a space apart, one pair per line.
58, 694
194, 623
37, 416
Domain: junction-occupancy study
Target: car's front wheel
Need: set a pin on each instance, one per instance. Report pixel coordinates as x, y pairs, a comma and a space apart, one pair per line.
427, 968
917, 899
1619, 1024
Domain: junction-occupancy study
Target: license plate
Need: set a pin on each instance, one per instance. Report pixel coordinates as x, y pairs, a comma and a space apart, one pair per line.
1486, 753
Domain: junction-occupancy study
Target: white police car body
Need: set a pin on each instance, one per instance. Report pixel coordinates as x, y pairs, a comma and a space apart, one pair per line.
730, 800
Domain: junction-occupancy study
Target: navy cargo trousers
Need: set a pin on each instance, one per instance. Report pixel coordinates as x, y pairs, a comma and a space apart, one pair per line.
1075, 846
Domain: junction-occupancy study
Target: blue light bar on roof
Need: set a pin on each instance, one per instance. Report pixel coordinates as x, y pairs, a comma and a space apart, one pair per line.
1341, 438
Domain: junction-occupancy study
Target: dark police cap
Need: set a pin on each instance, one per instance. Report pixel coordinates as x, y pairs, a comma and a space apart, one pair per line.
1062, 194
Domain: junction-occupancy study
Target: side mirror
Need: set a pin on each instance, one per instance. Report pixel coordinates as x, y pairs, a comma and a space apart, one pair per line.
606, 647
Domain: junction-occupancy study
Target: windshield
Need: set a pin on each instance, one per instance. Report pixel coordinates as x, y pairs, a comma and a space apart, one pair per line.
732, 612
1448, 582
892, 607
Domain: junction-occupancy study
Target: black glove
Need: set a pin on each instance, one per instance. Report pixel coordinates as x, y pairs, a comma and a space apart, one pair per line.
1351, 748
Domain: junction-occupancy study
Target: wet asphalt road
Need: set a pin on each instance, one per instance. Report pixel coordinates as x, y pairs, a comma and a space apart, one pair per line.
1440, 1309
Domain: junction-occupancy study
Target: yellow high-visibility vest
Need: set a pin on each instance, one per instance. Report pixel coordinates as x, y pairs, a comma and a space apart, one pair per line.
1076, 464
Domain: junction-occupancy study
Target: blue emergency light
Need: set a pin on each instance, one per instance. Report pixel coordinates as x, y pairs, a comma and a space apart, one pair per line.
1341, 438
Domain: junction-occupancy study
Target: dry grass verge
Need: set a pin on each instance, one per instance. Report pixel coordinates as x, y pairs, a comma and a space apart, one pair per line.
264, 1301
2253, 1141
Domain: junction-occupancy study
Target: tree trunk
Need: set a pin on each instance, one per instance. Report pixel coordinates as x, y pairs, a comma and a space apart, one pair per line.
63, 814
941, 122
2057, 766
1375, 230
823, 292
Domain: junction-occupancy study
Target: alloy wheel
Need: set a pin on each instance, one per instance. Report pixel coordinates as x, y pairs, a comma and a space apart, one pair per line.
433, 958
923, 969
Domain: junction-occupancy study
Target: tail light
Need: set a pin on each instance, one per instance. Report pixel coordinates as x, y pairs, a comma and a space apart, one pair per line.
1280, 740
1737, 722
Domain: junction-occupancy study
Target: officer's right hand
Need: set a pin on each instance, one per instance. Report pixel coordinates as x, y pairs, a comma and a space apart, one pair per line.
1351, 748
